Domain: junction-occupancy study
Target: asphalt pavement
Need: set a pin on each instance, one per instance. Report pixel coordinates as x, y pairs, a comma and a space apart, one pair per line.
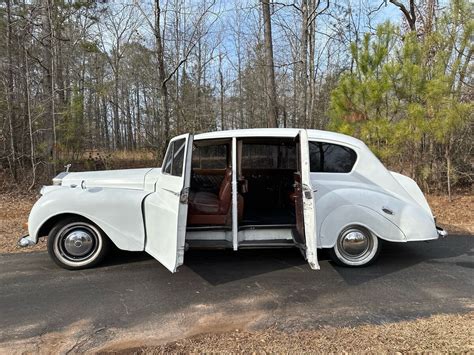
131, 292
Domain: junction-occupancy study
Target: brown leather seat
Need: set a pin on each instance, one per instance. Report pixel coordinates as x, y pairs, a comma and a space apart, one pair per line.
206, 208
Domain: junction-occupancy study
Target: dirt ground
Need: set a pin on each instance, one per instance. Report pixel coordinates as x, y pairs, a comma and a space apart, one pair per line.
456, 216
437, 334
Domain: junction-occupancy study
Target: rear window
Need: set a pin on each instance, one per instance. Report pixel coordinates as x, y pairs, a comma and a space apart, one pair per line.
331, 158
210, 157
268, 156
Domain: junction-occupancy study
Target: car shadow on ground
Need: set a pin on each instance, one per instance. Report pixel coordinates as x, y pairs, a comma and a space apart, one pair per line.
223, 266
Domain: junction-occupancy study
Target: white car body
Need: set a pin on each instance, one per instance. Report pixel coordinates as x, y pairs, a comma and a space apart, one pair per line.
145, 209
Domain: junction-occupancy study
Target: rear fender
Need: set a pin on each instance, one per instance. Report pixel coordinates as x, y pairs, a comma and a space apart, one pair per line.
349, 215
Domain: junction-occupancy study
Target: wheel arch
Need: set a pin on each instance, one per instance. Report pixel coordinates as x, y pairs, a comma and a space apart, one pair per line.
47, 225
356, 215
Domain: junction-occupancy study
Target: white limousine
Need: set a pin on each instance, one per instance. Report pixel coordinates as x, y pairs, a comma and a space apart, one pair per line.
255, 188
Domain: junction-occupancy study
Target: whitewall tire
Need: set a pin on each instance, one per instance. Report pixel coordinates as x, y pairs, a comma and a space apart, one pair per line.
75, 243
355, 246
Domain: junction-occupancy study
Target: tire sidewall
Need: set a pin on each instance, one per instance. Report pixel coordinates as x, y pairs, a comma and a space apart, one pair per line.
91, 261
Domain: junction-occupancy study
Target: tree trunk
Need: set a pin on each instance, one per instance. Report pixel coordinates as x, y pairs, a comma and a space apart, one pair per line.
272, 104
221, 84
162, 75
48, 88
303, 72
410, 15
11, 94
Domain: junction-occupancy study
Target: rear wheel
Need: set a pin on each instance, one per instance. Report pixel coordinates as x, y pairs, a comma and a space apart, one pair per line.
356, 246
76, 243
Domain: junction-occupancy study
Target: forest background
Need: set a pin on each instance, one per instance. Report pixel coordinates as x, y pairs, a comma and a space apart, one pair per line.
105, 85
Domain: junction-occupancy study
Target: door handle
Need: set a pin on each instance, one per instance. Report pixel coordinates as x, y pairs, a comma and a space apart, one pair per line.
173, 192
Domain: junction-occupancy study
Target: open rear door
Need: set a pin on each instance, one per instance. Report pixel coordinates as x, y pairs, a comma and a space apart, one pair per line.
166, 209
305, 233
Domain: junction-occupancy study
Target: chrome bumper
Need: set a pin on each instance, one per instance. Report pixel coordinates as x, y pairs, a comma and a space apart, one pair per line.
441, 232
26, 241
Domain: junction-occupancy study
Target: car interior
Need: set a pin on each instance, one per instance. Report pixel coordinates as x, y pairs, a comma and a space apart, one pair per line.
267, 171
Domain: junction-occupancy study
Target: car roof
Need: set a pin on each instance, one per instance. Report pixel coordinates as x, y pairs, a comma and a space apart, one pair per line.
313, 134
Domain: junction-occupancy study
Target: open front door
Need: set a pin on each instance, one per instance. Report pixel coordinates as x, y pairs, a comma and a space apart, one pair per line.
166, 209
305, 233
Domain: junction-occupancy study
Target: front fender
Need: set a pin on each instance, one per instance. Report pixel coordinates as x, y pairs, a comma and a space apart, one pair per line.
118, 212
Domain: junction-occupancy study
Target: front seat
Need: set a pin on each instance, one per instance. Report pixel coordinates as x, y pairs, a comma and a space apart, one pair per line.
207, 208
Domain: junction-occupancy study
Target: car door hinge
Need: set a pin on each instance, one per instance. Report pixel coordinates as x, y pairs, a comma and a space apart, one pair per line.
308, 192
184, 196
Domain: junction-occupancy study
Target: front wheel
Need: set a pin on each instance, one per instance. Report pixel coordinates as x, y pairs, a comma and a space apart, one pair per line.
76, 243
356, 246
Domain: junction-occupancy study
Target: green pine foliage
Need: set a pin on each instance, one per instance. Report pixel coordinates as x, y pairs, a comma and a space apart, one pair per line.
404, 97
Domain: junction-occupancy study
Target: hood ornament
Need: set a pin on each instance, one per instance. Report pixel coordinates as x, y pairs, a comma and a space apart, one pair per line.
67, 167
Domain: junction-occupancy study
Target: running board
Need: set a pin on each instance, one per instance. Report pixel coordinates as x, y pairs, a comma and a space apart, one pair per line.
208, 228
267, 226
276, 243
251, 244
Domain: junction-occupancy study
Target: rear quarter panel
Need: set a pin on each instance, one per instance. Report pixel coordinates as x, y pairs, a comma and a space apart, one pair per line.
343, 200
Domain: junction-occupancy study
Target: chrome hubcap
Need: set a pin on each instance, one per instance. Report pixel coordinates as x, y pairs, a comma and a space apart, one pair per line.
78, 243
355, 245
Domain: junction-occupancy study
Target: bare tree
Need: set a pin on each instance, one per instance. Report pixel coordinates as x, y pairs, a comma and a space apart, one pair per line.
272, 103
409, 14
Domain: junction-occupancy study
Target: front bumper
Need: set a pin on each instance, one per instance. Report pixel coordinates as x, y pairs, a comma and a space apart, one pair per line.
441, 232
26, 241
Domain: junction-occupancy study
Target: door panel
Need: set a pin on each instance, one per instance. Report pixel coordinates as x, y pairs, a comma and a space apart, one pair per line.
166, 209
306, 196
299, 234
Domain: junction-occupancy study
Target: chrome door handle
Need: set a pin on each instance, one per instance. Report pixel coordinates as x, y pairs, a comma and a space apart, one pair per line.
173, 192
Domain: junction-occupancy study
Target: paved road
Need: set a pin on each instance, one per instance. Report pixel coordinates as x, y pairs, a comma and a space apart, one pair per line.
222, 289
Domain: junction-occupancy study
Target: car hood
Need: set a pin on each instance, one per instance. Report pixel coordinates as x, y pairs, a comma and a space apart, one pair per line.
125, 179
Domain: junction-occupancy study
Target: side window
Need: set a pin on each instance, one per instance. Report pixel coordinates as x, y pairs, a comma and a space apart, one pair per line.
178, 157
210, 157
331, 158
174, 159
268, 156
167, 161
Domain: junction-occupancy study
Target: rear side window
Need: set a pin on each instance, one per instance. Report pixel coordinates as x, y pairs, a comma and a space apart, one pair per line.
210, 157
174, 160
331, 158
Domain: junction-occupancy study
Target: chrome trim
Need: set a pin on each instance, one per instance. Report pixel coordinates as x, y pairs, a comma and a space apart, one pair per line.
354, 243
78, 243
57, 180
356, 246
441, 232
387, 210
25, 241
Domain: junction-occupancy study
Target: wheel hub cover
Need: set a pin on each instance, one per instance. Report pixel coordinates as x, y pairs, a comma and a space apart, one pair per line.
355, 243
78, 243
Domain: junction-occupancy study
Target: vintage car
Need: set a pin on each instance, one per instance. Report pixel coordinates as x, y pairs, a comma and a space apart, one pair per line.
254, 188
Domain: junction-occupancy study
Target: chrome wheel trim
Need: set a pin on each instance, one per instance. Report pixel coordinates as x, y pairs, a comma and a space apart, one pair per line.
356, 246
78, 244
